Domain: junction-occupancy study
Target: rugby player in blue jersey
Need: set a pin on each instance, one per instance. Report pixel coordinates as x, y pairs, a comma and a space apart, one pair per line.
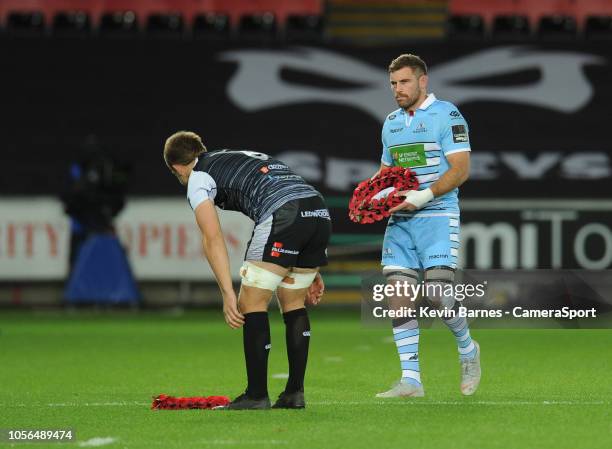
422, 238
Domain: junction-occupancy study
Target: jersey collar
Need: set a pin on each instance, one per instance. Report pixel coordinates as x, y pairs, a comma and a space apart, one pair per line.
428, 101
196, 163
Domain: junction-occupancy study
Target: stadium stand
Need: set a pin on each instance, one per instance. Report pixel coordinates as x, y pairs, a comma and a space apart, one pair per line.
557, 27
598, 27
189, 9
466, 27
71, 24
30, 23
165, 24
511, 27
534, 11
258, 26
118, 23
211, 25
312, 20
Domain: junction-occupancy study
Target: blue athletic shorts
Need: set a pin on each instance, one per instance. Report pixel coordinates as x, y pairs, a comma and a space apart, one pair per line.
421, 242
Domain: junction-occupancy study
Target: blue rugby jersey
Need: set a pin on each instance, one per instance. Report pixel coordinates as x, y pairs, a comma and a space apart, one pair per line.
422, 141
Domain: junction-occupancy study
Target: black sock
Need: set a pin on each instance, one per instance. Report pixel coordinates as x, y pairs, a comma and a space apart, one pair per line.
256, 341
297, 334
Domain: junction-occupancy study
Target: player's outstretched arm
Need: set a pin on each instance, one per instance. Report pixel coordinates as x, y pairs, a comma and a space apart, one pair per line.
216, 253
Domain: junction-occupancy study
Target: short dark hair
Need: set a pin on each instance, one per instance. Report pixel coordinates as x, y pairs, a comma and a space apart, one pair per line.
182, 148
408, 60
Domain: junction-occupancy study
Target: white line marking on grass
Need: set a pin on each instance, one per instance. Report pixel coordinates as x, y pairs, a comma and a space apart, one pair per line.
243, 442
280, 376
99, 404
98, 441
417, 402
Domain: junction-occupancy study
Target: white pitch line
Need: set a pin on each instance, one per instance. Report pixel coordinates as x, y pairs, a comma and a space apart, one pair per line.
97, 441
99, 404
243, 442
417, 402
83, 404
224, 443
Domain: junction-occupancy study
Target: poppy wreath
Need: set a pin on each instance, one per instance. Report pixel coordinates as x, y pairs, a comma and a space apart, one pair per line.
165, 402
364, 208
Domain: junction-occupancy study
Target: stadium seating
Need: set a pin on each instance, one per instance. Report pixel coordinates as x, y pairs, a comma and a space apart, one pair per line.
118, 23
303, 28
509, 27
25, 23
71, 24
557, 27
598, 28
165, 25
211, 26
466, 26
258, 26
309, 20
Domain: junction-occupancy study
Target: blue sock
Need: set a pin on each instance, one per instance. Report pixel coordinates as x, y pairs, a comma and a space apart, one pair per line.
459, 327
406, 336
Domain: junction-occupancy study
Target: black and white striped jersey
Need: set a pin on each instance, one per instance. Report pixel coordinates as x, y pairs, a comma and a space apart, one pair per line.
245, 181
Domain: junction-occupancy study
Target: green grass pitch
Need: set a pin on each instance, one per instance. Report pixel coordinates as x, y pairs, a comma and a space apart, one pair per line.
97, 373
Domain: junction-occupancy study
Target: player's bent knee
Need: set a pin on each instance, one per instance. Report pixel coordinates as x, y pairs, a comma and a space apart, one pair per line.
297, 281
437, 280
254, 276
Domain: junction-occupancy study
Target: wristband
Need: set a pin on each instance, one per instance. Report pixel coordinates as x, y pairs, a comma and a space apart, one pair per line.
419, 197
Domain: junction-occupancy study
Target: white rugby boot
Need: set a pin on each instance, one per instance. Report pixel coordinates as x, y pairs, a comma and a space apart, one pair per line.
470, 373
403, 390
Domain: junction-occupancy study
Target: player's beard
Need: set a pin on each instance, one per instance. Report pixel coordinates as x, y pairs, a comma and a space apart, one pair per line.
406, 102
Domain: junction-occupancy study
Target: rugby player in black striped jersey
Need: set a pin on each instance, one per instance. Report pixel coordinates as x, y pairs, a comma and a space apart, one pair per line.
288, 245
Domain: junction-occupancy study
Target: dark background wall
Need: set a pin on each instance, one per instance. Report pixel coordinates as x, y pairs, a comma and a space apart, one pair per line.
60, 95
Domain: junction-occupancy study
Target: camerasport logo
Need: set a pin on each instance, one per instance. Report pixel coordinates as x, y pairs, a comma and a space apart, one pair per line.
277, 250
